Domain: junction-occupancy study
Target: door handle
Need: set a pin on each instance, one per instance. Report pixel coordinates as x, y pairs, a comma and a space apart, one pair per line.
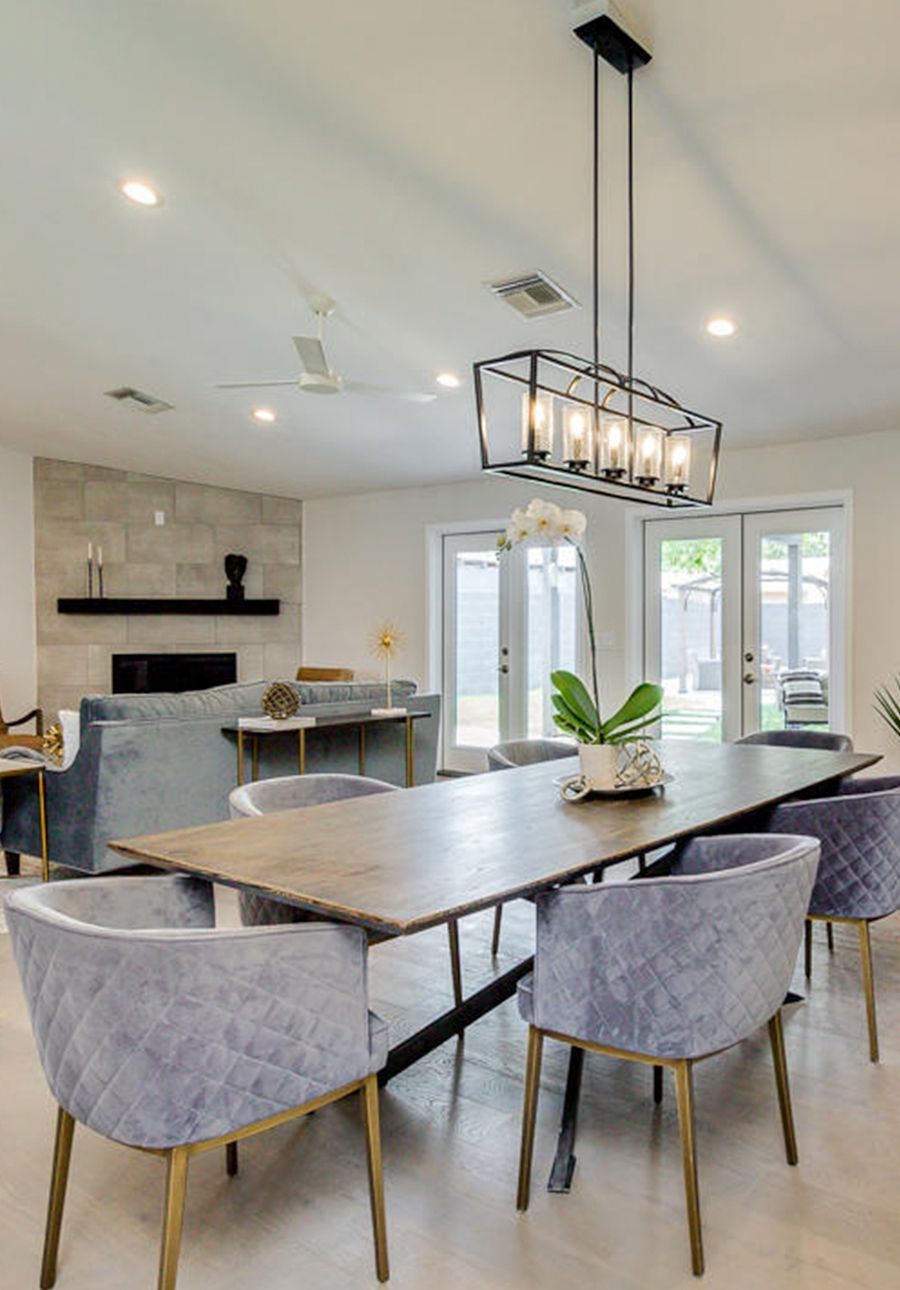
749, 678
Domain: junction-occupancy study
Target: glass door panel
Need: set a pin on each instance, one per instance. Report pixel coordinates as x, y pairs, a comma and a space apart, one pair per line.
692, 614
793, 620
552, 625
475, 684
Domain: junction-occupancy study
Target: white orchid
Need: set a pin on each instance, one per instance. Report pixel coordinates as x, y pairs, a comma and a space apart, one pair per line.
543, 524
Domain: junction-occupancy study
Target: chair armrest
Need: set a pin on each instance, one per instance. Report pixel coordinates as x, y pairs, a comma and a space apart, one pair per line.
36, 713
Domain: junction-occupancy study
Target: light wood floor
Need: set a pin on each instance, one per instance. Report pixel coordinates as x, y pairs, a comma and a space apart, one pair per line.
297, 1216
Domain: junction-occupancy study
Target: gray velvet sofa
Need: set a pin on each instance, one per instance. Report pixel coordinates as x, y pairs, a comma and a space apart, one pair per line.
151, 762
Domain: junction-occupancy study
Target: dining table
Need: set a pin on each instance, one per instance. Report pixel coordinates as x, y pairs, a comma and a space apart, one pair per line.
397, 864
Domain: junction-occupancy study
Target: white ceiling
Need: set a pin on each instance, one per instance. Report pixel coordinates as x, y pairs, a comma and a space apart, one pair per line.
397, 155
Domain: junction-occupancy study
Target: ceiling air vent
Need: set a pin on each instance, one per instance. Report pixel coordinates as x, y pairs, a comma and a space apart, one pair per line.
146, 402
533, 295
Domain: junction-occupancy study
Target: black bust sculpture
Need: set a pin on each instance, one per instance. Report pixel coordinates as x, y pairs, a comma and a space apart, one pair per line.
235, 568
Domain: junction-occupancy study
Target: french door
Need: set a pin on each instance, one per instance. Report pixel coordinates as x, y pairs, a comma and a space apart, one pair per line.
508, 621
744, 621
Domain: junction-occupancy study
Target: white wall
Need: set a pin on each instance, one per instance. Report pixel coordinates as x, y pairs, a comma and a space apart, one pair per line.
18, 684
365, 560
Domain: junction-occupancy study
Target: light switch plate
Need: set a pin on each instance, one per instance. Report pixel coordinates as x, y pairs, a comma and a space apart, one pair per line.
159, 518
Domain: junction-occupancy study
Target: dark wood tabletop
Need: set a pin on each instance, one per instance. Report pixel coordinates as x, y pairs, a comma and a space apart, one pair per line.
401, 862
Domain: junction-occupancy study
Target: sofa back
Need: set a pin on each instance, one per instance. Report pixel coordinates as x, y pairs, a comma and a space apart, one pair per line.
243, 699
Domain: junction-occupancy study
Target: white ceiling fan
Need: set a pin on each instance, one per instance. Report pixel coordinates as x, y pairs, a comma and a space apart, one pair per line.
317, 376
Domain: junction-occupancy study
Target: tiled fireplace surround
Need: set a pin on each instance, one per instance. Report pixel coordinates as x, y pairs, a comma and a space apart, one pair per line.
75, 504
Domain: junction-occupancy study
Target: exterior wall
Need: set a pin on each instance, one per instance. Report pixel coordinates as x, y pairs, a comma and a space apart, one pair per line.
18, 675
75, 504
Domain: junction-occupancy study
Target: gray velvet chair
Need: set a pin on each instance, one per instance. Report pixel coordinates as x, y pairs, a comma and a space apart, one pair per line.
160, 1032
509, 755
668, 971
293, 792
827, 740
859, 873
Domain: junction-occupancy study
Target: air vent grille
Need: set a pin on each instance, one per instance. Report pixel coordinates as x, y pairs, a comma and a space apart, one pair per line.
145, 402
533, 295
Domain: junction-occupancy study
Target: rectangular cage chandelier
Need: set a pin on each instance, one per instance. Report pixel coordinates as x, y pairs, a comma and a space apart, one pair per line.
577, 423
557, 419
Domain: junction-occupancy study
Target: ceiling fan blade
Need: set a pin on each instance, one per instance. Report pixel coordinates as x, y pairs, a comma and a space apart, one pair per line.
250, 385
312, 355
384, 391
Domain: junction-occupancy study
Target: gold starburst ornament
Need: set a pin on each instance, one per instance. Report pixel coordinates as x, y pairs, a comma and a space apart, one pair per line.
387, 642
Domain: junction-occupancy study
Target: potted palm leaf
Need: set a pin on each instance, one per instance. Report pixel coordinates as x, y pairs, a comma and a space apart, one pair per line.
887, 704
576, 707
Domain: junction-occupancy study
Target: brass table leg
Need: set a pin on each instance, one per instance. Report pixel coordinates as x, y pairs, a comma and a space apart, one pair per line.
455, 962
410, 760
255, 758
495, 935
240, 756
362, 750
301, 737
42, 813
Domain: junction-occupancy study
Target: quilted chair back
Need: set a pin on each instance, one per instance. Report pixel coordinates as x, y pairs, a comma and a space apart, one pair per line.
859, 831
525, 752
157, 1030
827, 740
680, 966
289, 792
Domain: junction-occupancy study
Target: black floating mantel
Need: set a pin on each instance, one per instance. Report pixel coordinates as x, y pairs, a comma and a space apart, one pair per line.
152, 605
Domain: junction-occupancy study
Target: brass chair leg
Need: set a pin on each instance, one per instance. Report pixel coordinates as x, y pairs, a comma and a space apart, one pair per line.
829, 932
657, 1084
173, 1215
776, 1039
231, 1159
455, 963
495, 937
376, 1175
529, 1114
62, 1154
685, 1096
865, 949
807, 949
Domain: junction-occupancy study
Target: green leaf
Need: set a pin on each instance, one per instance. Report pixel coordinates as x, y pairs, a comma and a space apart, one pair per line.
626, 732
575, 726
575, 695
643, 700
887, 705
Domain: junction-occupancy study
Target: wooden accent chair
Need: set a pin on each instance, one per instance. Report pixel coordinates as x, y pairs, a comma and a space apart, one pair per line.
27, 741
325, 674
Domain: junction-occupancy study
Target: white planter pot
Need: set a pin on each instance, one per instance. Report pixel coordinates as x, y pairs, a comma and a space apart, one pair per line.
599, 765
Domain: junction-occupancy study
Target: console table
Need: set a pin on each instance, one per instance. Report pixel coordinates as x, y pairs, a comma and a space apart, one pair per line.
265, 727
10, 766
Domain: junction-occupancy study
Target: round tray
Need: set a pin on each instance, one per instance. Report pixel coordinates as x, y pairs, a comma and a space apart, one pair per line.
571, 788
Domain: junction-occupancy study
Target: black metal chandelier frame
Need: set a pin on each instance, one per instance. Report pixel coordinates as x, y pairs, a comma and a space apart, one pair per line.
601, 390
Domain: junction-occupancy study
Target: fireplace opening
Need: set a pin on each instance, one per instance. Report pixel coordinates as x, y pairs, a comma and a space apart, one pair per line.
171, 673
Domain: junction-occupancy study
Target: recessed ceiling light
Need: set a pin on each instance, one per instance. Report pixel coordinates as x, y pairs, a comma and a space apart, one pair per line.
721, 327
265, 415
448, 379
136, 190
